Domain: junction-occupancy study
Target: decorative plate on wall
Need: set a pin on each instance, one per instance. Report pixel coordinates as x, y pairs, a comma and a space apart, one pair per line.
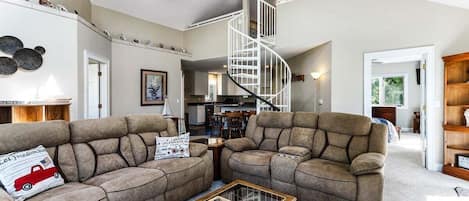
10, 44
8, 66
28, 59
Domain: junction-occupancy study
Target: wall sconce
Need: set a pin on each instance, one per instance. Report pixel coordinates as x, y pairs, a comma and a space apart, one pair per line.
316, 75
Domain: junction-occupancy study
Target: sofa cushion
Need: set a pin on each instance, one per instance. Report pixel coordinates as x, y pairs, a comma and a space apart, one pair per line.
93, 129
348, 124
71, 192
146, 123
368, 163
328, 177
240, 144
275, 119
253, 162
132, 183
305, 120
197, 149
295, 151
178, 171
24, 136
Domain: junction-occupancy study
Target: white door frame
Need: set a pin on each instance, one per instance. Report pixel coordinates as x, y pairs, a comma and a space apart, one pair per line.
106, 78
432, 102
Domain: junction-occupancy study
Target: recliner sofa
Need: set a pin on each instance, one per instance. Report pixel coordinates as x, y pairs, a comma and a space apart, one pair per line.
112, 159
316, 157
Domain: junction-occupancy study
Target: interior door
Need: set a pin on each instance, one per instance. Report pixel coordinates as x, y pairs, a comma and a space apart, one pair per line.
93, 91
423, 111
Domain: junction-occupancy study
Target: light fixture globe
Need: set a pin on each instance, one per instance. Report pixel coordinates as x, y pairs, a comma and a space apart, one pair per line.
316, 75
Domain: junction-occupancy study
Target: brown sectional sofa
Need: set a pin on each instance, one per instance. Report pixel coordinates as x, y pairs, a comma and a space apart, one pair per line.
327, 156
112, 159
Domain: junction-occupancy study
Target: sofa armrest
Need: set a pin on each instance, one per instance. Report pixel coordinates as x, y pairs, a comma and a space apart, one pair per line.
4, 195
367, 163
240, 144
295, 151
197, 149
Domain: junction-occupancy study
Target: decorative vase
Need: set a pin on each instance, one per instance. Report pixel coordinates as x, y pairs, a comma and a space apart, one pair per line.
466, 114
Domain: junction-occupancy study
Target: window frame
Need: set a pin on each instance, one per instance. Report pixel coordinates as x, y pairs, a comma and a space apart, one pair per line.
382, 97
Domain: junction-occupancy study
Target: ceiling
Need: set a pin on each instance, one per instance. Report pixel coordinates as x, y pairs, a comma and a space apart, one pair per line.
177, 14
454, 3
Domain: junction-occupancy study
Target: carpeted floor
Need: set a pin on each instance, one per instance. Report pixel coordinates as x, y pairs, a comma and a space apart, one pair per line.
407, 180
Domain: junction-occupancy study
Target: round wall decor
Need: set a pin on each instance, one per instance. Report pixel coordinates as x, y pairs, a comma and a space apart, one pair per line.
8, 66
10, 44
28, 59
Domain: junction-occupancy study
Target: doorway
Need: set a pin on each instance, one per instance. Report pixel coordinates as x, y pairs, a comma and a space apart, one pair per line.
424, 57
96, 85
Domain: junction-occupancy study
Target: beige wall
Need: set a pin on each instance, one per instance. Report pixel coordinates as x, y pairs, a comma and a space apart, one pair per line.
132, 27
207, 42
126, 64
304, 93
83, 7
405, 116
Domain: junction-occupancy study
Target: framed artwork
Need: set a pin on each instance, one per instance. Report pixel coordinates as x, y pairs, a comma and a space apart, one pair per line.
153, 87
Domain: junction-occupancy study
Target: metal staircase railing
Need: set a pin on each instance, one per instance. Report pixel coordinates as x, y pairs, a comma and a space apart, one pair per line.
254, 66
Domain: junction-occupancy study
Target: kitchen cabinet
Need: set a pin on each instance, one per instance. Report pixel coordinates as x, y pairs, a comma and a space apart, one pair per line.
230, 88
196, 82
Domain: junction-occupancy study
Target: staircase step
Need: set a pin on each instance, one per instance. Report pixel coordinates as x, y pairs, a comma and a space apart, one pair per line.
244, 75
267, 95
253, 50
249, 84
244, 58
279, 106
243, 67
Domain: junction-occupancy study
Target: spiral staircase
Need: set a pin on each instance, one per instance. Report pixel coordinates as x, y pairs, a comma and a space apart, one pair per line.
252, 63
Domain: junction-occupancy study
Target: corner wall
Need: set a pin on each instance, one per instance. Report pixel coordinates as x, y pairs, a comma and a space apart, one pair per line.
317, 59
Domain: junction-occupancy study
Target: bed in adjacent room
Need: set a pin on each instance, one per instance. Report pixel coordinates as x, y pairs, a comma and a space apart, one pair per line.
387, 116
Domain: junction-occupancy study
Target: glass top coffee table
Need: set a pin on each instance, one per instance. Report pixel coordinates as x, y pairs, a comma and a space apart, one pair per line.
240, 190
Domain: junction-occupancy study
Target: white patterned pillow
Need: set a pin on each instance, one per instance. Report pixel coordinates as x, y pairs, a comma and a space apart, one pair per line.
172, 147
27, 173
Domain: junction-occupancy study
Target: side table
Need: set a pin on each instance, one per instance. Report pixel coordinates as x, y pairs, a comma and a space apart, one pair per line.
216, 149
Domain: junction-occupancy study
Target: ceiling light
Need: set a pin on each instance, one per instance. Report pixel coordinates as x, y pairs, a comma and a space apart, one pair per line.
225, 66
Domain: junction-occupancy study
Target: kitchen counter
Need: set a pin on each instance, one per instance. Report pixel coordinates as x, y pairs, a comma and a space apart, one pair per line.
202, 103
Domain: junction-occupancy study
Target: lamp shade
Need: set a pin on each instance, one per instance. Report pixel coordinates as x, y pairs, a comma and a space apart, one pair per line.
316, 75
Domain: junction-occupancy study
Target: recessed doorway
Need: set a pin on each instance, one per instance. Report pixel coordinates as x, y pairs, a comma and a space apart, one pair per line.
96, 85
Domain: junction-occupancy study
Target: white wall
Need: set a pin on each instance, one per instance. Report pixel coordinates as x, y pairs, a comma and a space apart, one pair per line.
126, 64
58, 35
405, 116
317, 59
94, 44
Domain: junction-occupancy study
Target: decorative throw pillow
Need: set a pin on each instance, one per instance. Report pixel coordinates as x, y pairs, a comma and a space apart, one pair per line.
172, 147
27, 173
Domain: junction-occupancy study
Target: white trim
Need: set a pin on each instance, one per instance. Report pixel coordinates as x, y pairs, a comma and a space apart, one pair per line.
123, 42
431, 101
106, 78
381, 92
213, 20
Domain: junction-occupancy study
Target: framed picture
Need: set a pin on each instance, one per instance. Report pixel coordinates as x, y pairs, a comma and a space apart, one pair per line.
153, 88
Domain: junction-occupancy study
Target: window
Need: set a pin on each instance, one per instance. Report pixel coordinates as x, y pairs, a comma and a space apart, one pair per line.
214, 86
389, 90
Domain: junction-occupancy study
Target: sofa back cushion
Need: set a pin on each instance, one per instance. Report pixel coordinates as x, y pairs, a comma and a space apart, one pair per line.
304, 128
101, 146
143, 130
53, 135
272, 130
341, 137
